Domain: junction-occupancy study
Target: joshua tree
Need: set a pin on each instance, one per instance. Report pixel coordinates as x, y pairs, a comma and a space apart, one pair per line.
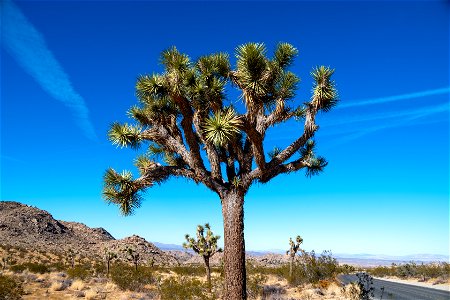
6, 259
71, 257
109, 257
191, 130
205, 246
294, 247
133, 256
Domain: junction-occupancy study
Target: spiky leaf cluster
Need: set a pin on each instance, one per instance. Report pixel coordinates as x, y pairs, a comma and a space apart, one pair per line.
122, 190
222, 127
324, 89
125, 135
314, 164
205, 244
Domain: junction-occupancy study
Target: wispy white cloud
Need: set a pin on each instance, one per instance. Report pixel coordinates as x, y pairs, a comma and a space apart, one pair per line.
406, 114
347, 127
21, 39
346, 135
382, 100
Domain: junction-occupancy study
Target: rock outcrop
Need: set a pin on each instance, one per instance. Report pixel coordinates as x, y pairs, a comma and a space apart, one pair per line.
35, 229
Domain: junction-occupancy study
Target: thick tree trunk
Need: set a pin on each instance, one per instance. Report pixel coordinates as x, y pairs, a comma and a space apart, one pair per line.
234, 252
208, 271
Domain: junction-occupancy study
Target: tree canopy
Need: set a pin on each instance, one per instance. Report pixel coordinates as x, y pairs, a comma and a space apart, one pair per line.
190, 129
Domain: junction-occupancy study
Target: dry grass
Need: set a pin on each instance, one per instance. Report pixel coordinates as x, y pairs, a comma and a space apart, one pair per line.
90, 294
58, 286
111, 287
77, 285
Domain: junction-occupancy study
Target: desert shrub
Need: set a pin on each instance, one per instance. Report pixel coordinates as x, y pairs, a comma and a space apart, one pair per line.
408, 270
99, 268
192, 270
281, 271
10, 288
184, 288
127, 278
32, 267
57, 266
79, 271
312, 268
346, 269
18, 268
37, 268
380, 271
255, 285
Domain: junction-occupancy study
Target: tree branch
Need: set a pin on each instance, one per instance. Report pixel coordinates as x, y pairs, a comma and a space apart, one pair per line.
309, 129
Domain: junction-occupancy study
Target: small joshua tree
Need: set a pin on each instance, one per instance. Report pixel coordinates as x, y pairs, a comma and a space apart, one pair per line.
71, 257
6, 260
133, 256
109, 257
294, 247
205, 246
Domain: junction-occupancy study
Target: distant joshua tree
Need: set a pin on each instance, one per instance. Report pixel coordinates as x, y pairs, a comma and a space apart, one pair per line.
71, 257
294, 247
109, 257
5, 261
133, 256
205, 246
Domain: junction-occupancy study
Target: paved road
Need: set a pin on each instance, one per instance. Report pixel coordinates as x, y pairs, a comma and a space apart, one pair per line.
400, 291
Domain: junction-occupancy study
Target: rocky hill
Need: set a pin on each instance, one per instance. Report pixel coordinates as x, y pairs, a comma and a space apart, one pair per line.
35, 229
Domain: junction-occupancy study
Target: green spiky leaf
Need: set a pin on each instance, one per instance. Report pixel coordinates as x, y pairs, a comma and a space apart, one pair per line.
324, 91
222, 127
285, 54
125, 135
120, 189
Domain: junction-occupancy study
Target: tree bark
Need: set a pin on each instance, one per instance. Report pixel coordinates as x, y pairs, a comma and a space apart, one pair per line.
234, 252
208, 272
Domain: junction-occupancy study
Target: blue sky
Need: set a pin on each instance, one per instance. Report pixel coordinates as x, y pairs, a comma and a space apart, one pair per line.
68, 71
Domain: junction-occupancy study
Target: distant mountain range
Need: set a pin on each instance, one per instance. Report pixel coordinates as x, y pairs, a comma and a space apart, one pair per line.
362, 259
31, 228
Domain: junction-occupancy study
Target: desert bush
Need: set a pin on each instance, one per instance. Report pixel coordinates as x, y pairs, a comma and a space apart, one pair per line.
79, 272
412, 270
312, 268
184, 288
127, 278
381, 271
10, 288
191, 270
345, 269
57, 266
281, 271
18, 268
32, 267
255, 285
